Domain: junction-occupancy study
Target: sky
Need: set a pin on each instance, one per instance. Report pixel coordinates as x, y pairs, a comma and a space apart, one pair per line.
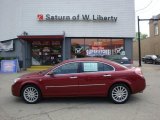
145, 9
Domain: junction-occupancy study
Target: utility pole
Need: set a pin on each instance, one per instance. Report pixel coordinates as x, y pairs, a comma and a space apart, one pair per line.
139, 44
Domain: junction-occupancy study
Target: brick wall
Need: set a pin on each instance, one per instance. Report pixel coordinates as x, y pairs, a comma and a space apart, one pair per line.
151, 45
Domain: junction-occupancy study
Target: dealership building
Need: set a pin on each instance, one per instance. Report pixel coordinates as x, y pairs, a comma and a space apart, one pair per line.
49, 31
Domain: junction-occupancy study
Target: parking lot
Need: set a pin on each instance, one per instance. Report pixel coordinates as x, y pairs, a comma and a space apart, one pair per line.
142, 106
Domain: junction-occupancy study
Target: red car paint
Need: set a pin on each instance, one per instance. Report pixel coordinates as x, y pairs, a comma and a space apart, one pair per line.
82, 83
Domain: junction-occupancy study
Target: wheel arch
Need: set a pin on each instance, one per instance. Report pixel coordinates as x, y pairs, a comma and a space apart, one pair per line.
120, 82
32, 84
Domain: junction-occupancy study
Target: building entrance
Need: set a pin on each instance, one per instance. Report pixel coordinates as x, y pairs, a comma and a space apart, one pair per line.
46, 52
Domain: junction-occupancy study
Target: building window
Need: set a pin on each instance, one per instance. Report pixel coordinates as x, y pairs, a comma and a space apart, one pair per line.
156, 29
46, 52
96, 47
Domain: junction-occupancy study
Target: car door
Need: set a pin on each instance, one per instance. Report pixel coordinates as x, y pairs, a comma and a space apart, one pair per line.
146, 59
63, 82
149, 59
94, 78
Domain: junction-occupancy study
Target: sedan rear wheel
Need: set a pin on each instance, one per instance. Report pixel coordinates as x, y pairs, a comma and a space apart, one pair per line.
31, 94
119, 93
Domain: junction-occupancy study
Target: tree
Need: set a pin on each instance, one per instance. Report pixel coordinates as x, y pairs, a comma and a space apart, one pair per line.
142, 36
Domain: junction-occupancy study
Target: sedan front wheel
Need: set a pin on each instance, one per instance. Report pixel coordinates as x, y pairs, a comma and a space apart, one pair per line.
119, 93
31, 94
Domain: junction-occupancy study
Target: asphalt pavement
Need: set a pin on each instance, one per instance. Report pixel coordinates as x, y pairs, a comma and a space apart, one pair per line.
141, 106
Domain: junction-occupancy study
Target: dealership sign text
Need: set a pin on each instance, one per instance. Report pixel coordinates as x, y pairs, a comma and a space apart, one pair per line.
84, 17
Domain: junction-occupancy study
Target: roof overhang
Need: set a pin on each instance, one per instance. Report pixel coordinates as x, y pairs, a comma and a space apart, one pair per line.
41, 37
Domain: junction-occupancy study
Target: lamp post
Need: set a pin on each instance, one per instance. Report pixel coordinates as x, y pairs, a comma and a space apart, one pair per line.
139, 39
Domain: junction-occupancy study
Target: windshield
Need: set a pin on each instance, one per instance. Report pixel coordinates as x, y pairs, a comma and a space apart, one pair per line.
154, 56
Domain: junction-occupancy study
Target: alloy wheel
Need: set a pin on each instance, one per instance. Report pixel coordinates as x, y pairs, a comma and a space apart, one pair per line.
31, 94
119, 93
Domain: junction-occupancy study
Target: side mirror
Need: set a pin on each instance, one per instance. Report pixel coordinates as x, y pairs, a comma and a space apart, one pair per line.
50, 73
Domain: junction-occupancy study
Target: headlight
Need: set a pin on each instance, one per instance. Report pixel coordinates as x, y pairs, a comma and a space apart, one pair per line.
15, 80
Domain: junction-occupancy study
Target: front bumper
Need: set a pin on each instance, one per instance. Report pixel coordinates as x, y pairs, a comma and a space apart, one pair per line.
15, 90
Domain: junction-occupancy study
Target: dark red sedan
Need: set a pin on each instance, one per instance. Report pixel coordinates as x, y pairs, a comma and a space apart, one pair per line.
81, 77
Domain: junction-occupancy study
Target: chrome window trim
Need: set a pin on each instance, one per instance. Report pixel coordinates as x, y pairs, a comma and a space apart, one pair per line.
82, 72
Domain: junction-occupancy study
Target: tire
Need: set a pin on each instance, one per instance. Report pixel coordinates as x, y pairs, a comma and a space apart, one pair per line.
31, 94
154, 62
119, 93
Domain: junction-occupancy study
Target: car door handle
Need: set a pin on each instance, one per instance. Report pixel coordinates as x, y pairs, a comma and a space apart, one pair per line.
74, 77
107, 75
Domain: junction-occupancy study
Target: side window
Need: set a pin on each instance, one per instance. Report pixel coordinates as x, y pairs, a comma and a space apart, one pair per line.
104, 67
90, 67
100, 67
95, 67
67, 69
107, 67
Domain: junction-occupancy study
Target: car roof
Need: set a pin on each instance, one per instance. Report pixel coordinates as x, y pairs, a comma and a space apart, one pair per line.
87, 59
96, 59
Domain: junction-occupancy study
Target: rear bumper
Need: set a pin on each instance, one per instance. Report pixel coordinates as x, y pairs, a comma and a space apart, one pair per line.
139, 86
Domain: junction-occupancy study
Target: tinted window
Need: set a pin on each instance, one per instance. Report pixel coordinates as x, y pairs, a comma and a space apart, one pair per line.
67, 68
105, 67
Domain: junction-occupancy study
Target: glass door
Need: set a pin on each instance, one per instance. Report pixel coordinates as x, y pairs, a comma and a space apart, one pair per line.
36, 53
46, 53
56, 52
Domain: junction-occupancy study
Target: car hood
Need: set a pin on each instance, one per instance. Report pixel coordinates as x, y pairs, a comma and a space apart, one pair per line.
33, 75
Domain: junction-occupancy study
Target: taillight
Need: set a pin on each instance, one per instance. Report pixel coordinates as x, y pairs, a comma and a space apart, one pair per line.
138, 71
